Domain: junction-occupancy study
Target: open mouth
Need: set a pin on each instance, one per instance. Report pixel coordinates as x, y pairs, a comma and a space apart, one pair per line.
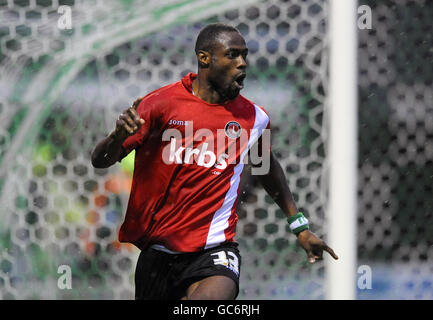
239, 80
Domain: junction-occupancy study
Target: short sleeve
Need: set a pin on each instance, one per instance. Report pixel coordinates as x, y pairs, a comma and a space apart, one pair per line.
262, 147
268, 129
264, 140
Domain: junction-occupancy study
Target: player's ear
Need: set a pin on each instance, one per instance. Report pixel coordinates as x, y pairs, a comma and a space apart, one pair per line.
204, 58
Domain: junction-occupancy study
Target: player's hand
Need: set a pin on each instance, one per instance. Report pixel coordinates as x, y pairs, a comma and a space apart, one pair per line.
314, 246
129, 121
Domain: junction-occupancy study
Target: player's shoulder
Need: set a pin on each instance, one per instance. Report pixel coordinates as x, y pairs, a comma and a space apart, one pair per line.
254, 106
257, 112
159, 97
163, 92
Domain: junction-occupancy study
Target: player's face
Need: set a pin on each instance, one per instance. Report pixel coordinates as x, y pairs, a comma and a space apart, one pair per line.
228, 65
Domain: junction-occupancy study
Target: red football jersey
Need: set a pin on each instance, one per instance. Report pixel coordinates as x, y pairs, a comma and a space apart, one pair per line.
188, 164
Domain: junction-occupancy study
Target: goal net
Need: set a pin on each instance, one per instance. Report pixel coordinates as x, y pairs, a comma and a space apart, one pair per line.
61, 92
395, 222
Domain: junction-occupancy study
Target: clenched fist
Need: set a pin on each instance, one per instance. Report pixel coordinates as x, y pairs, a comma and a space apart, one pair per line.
129, 122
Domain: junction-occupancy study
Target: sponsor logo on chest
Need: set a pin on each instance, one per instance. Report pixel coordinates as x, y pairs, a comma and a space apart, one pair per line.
207, 148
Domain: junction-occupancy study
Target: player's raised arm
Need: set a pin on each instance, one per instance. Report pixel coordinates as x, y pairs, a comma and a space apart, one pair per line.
108, 151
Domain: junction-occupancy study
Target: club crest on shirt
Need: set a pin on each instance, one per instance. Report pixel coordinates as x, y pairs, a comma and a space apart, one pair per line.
233, 129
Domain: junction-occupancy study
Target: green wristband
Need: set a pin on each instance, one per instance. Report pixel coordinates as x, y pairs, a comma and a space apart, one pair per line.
298, 223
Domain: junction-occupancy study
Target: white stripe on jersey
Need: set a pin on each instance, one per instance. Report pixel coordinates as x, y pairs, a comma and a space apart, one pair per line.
221, 217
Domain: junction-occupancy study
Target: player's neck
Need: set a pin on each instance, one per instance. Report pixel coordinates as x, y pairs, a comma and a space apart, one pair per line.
202, 89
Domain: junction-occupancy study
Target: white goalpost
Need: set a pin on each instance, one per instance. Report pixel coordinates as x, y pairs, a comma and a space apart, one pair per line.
342, 111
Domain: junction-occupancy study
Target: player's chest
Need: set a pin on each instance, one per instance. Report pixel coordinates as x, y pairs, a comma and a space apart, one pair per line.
209, 118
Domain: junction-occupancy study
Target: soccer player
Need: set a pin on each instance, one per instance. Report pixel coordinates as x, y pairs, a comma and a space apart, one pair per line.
191, 139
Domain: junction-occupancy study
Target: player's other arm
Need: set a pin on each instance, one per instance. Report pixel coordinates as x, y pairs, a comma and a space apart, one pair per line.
275, 184
108, 151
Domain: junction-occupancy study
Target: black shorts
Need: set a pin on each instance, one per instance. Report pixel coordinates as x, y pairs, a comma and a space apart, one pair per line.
165, 276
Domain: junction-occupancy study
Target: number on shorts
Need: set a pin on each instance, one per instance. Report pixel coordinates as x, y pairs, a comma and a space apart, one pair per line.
232, 262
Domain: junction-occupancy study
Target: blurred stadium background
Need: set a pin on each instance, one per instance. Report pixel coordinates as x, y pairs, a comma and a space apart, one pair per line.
61, 91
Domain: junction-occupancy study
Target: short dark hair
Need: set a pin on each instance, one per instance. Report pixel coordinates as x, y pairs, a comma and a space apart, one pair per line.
207, 37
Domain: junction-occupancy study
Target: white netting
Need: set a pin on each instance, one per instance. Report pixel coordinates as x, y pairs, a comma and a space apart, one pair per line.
64, 89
